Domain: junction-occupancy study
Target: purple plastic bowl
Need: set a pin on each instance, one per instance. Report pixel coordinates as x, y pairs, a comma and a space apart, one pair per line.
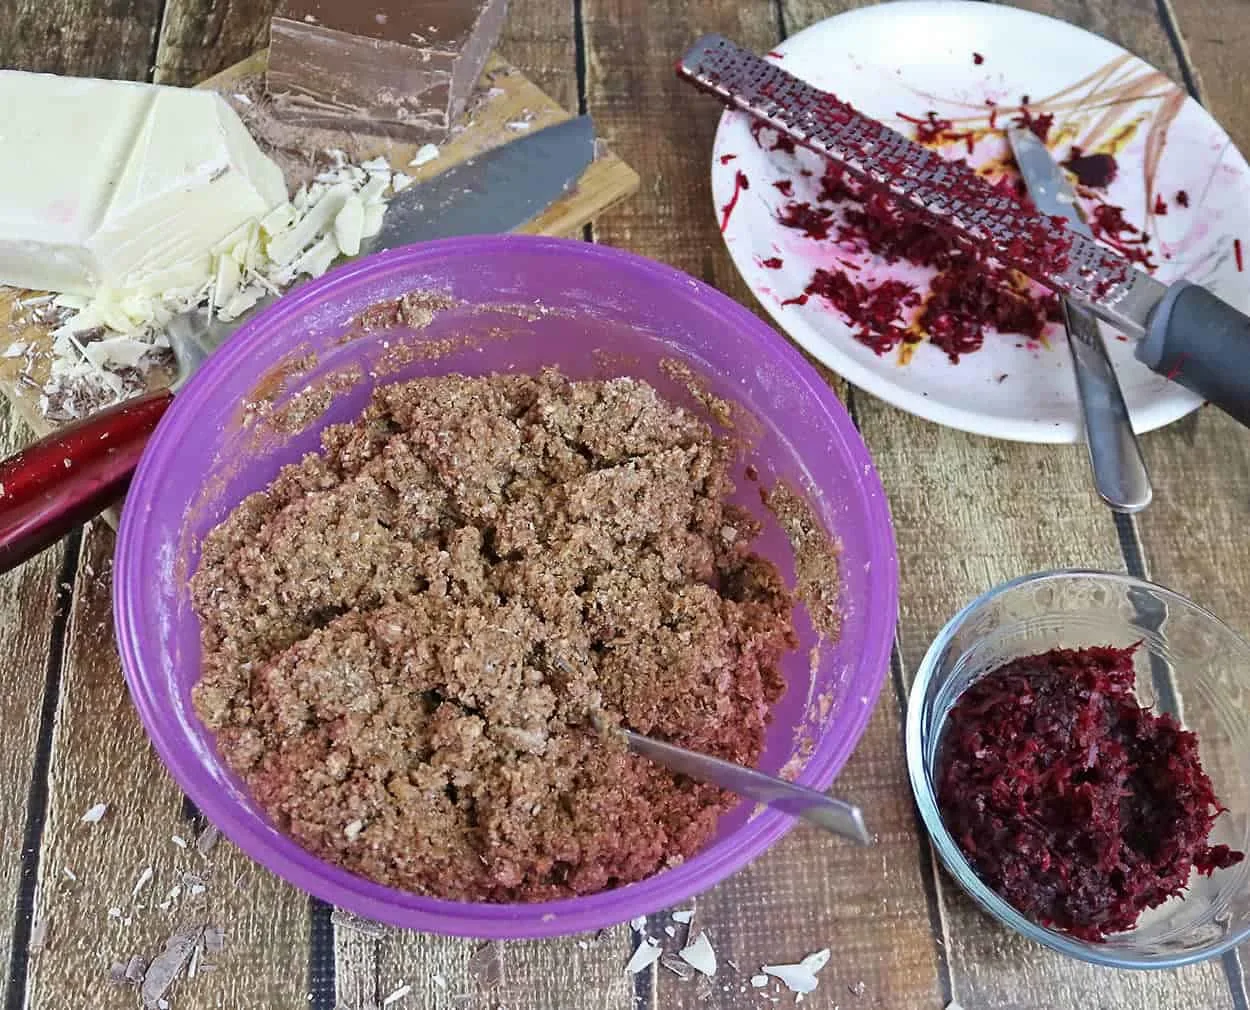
612, 313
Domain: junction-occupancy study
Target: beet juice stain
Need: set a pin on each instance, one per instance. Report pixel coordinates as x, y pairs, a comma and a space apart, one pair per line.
741, 182
1078, 806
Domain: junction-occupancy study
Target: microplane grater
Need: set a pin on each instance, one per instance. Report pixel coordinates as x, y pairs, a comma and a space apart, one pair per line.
949, 193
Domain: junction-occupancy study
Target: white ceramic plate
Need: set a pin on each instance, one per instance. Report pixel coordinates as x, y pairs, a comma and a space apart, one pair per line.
914, 56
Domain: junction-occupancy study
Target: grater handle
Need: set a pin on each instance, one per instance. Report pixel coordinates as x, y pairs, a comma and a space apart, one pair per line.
72, 475
1203, 343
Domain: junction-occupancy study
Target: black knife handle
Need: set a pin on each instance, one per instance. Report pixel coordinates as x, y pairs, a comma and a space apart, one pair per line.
1203, 343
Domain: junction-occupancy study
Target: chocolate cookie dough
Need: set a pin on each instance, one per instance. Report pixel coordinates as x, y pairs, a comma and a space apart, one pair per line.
405, 637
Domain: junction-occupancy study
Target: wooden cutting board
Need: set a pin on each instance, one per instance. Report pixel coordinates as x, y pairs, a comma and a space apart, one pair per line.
508, 105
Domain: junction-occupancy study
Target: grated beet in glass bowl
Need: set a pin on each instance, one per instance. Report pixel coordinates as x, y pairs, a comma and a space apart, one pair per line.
1076, 804
1079, 748
967, 295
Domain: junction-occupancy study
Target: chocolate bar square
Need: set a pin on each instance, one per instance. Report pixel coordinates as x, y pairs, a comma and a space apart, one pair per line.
385, 66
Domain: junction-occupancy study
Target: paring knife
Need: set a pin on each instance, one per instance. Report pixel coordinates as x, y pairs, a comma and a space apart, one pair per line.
76, 473
1114, 454
1184, 332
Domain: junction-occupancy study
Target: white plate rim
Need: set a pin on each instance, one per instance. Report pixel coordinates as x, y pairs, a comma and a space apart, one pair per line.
1147, 416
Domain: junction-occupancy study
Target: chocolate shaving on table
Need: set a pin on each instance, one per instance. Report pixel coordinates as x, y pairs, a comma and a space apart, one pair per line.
169, 964
367, 927
208, 839
214, 940
677, 966
486, 964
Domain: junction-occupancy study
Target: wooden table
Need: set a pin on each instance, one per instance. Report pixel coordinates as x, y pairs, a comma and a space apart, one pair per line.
969, 512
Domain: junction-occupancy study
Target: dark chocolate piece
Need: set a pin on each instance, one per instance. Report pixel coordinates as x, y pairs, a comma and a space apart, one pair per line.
384, 66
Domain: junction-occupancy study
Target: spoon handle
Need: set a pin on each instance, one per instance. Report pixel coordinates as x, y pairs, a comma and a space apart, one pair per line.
836, 816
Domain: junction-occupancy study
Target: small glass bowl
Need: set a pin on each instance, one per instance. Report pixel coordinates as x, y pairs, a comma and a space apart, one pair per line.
1189, 664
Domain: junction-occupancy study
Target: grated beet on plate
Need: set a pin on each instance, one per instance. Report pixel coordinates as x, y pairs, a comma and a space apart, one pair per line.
969, 293
1078, 806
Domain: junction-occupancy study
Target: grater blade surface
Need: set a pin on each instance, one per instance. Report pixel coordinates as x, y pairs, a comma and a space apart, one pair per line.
953, 196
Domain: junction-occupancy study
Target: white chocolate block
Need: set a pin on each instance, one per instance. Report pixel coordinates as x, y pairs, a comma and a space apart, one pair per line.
122, 186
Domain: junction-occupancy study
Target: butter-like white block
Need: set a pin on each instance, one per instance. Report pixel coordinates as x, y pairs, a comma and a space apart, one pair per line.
113, 184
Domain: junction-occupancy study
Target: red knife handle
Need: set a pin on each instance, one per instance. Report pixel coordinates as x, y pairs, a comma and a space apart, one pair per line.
72, 475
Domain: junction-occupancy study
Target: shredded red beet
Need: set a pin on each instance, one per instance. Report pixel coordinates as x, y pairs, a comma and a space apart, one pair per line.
1182, 198
1040, 124
978, 59
1237, 254
931, 129
814, 222
784, 186
1097, 171
741, 182
773, 263
1107, 223
725, 159
1077, 805
1161, 207
876, 313
968, 294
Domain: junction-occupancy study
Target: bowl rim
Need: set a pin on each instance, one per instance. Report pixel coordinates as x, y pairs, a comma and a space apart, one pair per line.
949, 852
280, 854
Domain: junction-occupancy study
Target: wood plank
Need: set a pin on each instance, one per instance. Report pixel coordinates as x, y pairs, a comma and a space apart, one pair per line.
78, 37
199, 39
51, 36
539, 40
522, 975
1000, 510
100, 755
1214, 35
1194, 535
28, 601
809, 892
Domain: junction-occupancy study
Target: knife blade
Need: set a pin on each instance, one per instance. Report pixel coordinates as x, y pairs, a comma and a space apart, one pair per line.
496, 191
1186, 333
1115, 456
79, 471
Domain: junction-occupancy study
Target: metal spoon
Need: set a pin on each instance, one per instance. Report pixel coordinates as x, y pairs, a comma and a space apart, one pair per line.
835, 816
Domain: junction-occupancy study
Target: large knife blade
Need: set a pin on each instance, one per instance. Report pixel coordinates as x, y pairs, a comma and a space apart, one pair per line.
74, 474
1115, 456
1187, 334
497, 191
